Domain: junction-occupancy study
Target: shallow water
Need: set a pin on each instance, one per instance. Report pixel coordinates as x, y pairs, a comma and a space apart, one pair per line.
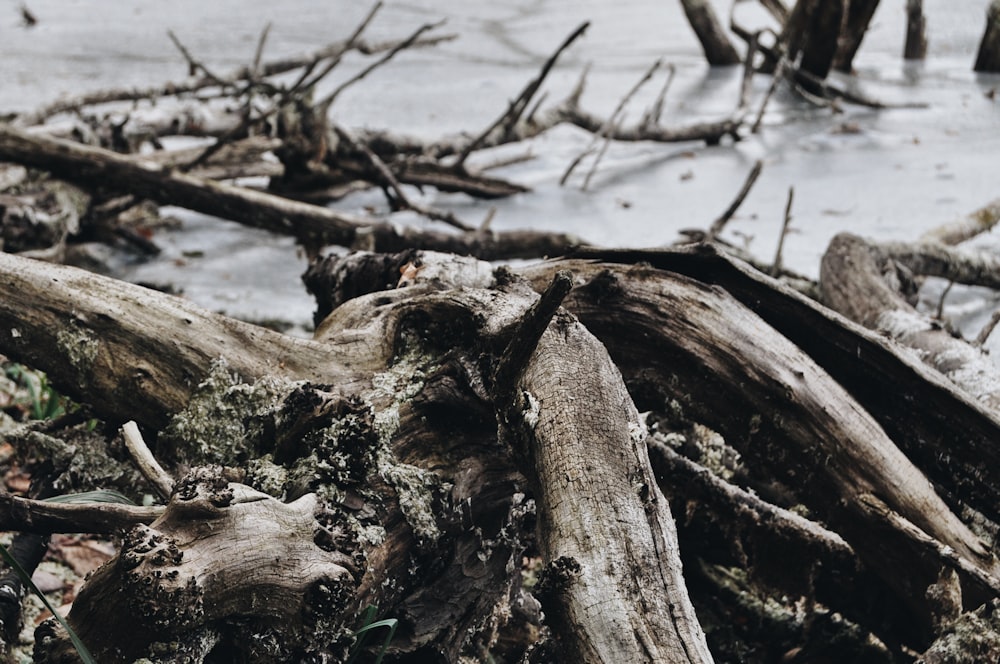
892, 174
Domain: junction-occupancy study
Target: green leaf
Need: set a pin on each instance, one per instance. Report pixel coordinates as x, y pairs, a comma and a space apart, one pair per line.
26, 580
367, 626
103, 496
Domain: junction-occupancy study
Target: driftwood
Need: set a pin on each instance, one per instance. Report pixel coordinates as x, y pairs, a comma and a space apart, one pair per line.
868, 283
494, 456
313, 225
809, 430
575, 576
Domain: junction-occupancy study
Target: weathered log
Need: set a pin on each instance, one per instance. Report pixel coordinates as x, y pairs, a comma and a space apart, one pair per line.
659, 331
191, 569
988, 57
370, 335
883, 379
114, 339
864, 281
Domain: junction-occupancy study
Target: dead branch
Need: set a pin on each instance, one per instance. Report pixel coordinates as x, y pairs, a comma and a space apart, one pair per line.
271, 68
965, 228
398, 200
500, 131
867, 283
146, 462
885, 381
605, 131
776, 267
719, 224
314, 226
39, 516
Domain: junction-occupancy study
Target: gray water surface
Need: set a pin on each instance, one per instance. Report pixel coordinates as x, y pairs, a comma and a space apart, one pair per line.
888, 174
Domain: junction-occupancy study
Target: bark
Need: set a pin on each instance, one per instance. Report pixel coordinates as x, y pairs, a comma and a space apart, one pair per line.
812, 32
883, 379
661, 328
916, 31
967, 227
719, 51
988, 58
859, 15
411, 348
191, 568
781, 430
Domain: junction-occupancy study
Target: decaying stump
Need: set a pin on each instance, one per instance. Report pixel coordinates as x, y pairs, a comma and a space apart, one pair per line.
174, 582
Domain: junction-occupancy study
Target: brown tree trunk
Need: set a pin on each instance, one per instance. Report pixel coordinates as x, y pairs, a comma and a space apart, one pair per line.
859, 15
719, 51
988, 58
916, 31
812, 33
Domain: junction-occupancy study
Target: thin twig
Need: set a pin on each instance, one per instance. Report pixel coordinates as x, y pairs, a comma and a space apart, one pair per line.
651, 118
259, 53
194, 63
516, 108
776, 77
39, 516
776, 267
987, 330
146, 462
716, 228
389, 180
614, 121
939, 314
325, 103
335, 58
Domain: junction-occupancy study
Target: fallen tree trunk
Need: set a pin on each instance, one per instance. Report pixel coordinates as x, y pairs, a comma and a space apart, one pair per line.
408, 489
661, 328
407, 354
